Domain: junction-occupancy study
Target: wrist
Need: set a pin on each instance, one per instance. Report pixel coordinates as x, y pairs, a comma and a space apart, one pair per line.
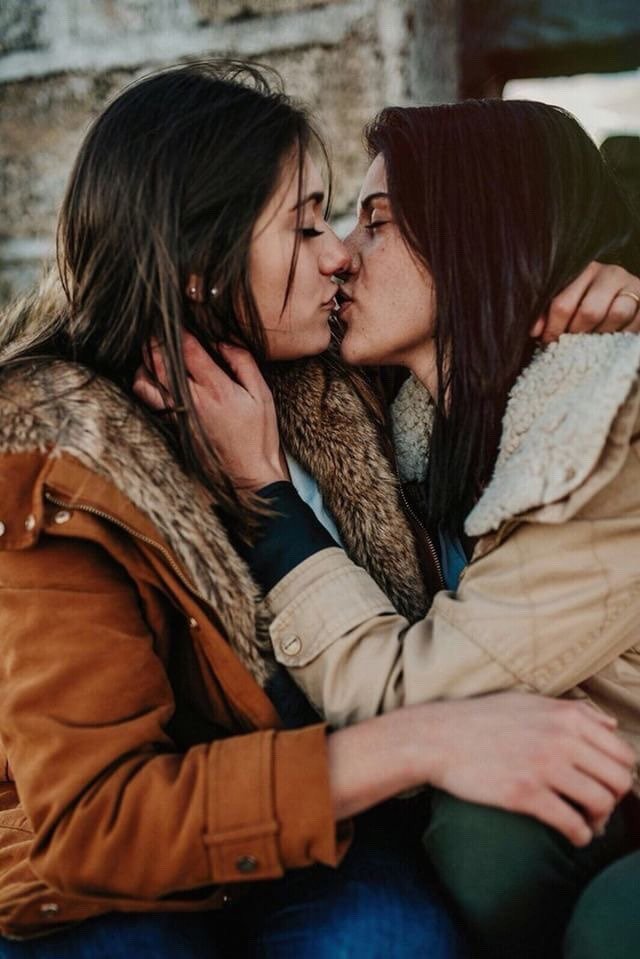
425, 744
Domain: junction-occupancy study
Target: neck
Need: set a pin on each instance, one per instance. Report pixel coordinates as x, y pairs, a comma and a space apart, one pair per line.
423, 366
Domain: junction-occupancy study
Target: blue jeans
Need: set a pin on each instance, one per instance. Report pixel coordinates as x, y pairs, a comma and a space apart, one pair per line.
381, 903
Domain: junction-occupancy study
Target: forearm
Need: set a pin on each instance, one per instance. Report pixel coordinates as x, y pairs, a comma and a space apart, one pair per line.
379, 758
355, 657
542, 629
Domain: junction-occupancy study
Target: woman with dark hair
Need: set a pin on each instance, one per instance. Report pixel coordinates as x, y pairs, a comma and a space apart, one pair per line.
154, 790
157, 761
524, 473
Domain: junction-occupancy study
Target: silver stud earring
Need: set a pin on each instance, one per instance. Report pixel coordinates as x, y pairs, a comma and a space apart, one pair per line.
192, 291
214, 291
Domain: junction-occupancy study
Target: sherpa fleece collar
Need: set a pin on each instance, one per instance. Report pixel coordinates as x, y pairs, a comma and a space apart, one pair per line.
557, 421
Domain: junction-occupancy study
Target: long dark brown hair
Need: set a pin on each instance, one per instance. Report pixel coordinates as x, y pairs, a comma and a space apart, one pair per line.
505, 202
169, 182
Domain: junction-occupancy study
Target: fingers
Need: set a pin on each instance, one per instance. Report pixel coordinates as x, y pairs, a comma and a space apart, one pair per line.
593, 303
610, 744
245, 369
564, 306
146, 391
614, 776
593, 747
556, 812
603, 308
621, 314
595, 799
538, 327
203, 369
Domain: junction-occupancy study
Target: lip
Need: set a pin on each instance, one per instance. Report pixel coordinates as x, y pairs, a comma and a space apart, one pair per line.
330, 303
344, 301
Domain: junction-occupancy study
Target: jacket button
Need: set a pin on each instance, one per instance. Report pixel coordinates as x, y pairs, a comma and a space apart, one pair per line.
49, 908
62, 516
291, 645
246, 864
30, 522
3, 528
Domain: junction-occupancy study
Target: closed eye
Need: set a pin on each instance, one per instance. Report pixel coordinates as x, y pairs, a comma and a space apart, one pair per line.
310, 231
374, 226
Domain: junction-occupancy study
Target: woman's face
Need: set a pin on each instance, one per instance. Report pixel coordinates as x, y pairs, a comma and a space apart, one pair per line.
301, 327
388, 301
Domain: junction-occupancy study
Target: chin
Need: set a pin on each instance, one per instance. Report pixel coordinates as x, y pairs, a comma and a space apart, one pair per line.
298, 348
357, 352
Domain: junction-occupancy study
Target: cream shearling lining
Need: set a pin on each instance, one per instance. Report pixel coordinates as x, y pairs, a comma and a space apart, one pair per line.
556, 424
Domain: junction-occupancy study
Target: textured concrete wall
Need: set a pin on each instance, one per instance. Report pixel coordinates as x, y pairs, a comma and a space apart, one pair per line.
60, 60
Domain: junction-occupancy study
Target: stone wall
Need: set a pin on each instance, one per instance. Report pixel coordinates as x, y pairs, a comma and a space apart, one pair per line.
60, 60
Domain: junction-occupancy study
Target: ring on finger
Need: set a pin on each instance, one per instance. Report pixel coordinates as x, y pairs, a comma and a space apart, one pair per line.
630, 293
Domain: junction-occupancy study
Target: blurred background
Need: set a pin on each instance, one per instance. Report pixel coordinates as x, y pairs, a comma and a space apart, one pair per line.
61, 60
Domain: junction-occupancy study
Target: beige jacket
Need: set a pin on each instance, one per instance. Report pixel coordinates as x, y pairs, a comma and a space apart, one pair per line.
550, 602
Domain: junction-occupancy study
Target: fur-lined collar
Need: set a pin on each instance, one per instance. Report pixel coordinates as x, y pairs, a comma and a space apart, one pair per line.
556, 424
324, 423
61, 408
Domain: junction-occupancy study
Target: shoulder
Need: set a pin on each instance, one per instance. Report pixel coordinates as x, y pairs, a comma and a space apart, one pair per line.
561, 413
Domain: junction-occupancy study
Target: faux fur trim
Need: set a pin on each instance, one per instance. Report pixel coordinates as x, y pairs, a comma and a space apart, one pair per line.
327, 428
63, 408
324, 424
559, 415
412, 414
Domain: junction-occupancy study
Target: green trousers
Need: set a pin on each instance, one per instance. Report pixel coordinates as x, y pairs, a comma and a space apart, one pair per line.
522, 891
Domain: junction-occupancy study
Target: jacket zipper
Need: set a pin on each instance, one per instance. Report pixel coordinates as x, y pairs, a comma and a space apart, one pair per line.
432, 550
84, 508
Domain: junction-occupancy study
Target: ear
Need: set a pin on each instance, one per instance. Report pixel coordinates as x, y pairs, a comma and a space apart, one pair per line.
195, 288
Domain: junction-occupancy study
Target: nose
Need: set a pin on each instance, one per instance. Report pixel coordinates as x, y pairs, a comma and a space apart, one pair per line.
335, 258
351, 246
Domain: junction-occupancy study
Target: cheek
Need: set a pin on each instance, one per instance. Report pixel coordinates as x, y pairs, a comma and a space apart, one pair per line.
269, 271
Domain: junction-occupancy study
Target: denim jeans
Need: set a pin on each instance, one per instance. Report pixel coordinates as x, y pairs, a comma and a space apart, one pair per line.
381, 903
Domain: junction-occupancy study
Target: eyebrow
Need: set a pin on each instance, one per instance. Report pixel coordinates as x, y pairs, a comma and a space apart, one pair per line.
368, 200
317, 197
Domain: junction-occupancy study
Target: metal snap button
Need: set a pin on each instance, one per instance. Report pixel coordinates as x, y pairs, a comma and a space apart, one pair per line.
62, 516
193, 623
30, 522
3, 528
49, 908
291, 645
246, 864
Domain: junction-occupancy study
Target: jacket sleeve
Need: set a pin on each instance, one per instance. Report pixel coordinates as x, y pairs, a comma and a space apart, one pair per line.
116, 809
553, 604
